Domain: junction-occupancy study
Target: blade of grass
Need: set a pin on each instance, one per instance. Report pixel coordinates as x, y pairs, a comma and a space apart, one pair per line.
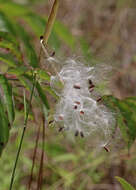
23, 133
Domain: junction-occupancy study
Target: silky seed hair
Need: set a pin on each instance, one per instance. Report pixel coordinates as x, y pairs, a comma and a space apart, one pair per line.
79, 109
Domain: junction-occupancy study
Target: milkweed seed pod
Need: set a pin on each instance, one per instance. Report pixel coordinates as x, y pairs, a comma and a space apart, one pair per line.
78, 108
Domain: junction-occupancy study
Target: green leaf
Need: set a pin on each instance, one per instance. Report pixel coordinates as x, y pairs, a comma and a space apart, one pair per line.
7, 89
8, 37
15, 9
42, 95
18, 71
36, 22
4, 128
43, 74
129, 114
30, 52
64, 34
126, 116
12, 48
124, 183
49, 89
85, 49
26, 80
6, 25
54, 149
8, 59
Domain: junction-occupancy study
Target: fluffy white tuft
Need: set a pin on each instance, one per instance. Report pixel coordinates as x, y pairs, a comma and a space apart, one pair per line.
78, 108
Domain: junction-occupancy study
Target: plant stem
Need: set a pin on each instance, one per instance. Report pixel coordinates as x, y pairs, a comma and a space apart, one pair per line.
49, 26
34, 158
40, 175
23, 133
51, 21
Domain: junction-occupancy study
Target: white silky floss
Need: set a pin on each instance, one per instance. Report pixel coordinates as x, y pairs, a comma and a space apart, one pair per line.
77, 110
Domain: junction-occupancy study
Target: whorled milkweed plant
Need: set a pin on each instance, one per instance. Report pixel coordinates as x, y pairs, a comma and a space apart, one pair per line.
79, 108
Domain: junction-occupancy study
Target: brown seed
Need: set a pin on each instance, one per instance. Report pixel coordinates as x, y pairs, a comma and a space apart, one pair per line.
82, 112
90, 81
77, 102
51, 121
82, 134
98, 100
107, 150
76, 133
91, 86
75, 107
53, 53
77, 87
61, 128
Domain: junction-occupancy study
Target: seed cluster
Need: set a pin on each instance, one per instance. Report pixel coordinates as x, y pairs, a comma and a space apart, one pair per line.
78, 109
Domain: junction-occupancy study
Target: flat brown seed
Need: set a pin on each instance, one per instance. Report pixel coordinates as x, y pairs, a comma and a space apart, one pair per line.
53, 54
98, 100
61, 128
77, 87
75, 107
91, 86
77, 102
82, 112
90, 81
82, 134
76, 133
107, 150
51, 121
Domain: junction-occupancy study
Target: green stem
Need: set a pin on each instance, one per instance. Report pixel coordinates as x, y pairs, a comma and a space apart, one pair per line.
23, 133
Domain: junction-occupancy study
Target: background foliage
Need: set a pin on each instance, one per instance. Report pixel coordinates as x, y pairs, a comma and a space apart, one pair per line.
66, 161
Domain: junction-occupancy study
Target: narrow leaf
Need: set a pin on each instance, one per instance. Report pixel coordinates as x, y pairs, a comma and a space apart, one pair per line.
8, 59
42, 95
124, 183
30, 52
126, 116
6, 25
15, 9
4, 129
7, 89
12, 48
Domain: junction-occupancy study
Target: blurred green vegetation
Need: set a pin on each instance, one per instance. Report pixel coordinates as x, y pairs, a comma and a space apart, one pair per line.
89, 29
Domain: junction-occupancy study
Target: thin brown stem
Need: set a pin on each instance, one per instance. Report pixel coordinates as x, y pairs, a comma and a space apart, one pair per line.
49, 25
34, 157
51, 21
40, 174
